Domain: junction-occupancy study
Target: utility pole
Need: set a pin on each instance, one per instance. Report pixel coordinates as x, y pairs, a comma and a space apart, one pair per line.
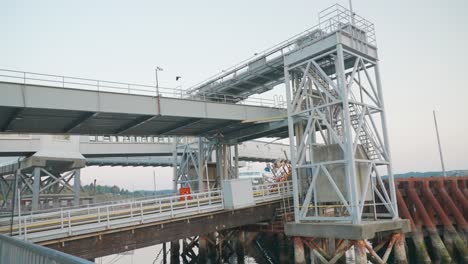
438, 142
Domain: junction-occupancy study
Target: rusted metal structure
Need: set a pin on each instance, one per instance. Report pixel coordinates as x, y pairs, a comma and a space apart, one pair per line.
437, 208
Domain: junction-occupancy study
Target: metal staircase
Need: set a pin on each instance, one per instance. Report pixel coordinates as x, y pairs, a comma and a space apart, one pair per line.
369, 144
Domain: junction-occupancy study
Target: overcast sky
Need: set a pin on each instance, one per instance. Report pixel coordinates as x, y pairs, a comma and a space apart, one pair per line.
421, 46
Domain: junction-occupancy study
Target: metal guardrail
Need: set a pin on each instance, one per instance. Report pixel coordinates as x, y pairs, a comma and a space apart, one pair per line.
16, 251
272, 191
68, 222
68, 82
75, 221
334, 19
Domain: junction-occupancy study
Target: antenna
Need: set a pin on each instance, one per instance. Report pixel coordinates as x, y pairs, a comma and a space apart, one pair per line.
438, 141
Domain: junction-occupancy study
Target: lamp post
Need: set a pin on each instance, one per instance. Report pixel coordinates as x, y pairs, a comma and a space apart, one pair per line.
157, 82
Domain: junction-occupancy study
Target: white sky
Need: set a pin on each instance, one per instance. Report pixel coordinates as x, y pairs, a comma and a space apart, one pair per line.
421, 47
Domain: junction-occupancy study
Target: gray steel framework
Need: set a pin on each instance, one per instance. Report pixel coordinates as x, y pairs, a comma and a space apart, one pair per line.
40, 184
335, 105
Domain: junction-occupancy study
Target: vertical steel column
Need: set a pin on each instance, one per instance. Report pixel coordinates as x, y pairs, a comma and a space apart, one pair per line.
174, 166
226, 148
236, 160
350, 165
36, 186
292, 143
391, 180
219, 171
77, 187
201, 164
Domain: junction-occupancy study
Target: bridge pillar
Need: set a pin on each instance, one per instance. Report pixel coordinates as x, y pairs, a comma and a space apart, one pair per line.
175, 254
299, 256
240, 252
360, 252
202, 249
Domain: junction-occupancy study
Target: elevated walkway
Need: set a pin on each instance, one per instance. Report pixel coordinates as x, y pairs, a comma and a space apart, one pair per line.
56, 227
120, 146
30, 106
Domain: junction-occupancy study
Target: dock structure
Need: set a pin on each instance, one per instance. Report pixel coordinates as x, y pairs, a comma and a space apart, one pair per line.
336, 195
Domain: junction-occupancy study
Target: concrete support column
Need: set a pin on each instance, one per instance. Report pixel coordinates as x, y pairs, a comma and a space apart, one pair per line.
202, 249
299, 256
240, 252
36, 188
399, 250
164, 253
77, 187
283, 249
360, 252
175, 252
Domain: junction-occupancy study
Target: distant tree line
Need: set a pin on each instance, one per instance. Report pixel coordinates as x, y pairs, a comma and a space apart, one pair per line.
116, 190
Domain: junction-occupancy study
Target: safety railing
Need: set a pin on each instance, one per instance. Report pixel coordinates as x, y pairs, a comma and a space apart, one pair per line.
333, 19
106, 216
68, 82
39, 226
13, 250
272, 191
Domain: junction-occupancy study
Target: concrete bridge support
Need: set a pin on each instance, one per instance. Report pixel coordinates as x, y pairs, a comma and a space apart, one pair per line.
175, 252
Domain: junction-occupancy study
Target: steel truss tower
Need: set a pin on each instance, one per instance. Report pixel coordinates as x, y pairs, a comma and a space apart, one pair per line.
195, 156
337, 125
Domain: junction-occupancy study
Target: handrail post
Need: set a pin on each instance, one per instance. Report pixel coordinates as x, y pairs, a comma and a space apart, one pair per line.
172, 210
108, 216
25, 229
61, 218
69, 223
141, 211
